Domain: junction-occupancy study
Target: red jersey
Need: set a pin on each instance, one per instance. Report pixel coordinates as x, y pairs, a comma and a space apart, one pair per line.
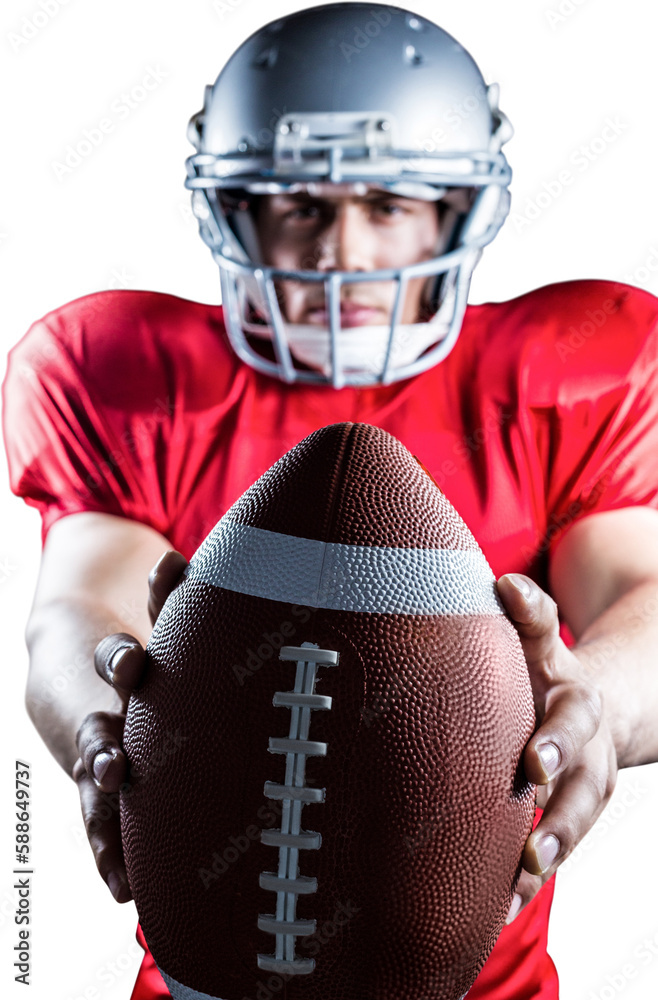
133, 403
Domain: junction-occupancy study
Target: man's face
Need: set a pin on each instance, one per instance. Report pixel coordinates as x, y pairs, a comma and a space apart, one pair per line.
328, 228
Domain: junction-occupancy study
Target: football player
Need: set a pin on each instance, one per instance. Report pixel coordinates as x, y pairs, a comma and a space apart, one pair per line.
348, 171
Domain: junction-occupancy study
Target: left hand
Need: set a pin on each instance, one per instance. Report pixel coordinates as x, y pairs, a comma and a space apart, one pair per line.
571, 755
102, 767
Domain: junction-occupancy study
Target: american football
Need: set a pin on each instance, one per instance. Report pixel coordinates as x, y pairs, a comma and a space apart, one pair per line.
327, 796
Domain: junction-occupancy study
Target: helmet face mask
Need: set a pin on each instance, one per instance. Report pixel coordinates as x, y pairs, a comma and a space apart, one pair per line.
386, 303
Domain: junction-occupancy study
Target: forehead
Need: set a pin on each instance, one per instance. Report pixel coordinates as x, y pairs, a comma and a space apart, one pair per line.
326, 191
330, 191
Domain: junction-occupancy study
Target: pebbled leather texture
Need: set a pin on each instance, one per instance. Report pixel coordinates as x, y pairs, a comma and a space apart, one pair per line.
426, 806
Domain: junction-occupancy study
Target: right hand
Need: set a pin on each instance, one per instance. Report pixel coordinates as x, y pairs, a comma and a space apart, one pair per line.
102, 766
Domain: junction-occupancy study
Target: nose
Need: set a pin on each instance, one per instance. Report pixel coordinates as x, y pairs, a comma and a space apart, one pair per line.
346, 243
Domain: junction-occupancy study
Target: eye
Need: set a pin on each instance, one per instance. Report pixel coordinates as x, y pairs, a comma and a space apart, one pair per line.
302, 213
390, 209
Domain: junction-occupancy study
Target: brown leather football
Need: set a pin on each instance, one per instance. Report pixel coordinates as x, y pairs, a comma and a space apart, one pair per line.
328, 798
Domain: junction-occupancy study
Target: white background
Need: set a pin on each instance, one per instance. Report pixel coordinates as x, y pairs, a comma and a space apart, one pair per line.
120, 218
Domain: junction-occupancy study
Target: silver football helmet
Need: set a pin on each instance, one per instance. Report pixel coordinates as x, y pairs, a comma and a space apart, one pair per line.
363, 96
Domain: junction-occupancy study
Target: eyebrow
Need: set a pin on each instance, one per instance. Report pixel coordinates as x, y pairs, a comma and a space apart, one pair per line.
304, 196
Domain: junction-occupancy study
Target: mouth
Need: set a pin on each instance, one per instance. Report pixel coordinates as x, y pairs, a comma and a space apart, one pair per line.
351, 314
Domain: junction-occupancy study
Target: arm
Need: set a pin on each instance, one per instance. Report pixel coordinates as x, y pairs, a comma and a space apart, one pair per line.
94, 579
596, 701
604, 575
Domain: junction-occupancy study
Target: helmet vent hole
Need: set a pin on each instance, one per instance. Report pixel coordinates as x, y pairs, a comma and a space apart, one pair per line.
267, 58
412, 56
414, 23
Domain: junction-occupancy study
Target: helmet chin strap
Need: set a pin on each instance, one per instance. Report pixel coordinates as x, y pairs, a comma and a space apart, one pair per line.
364, 348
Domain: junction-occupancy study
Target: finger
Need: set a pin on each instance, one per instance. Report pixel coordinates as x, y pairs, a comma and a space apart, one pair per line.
572, 717
543, 792
99, 745
534, 614
526, 889
579, 798
162, 579
100, 813
119, 659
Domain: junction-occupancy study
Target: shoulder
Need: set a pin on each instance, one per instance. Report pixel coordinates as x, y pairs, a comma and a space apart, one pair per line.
583, 331
570, 312
126, 339
116, 321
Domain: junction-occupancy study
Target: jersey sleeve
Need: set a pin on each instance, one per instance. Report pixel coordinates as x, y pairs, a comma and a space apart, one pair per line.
67, 451
604, 443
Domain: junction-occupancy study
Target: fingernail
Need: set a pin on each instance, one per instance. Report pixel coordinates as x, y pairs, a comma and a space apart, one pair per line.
520, 583
549, 755
116, 658
547, 850
117, 888
155, 569
101, 763
517, 903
